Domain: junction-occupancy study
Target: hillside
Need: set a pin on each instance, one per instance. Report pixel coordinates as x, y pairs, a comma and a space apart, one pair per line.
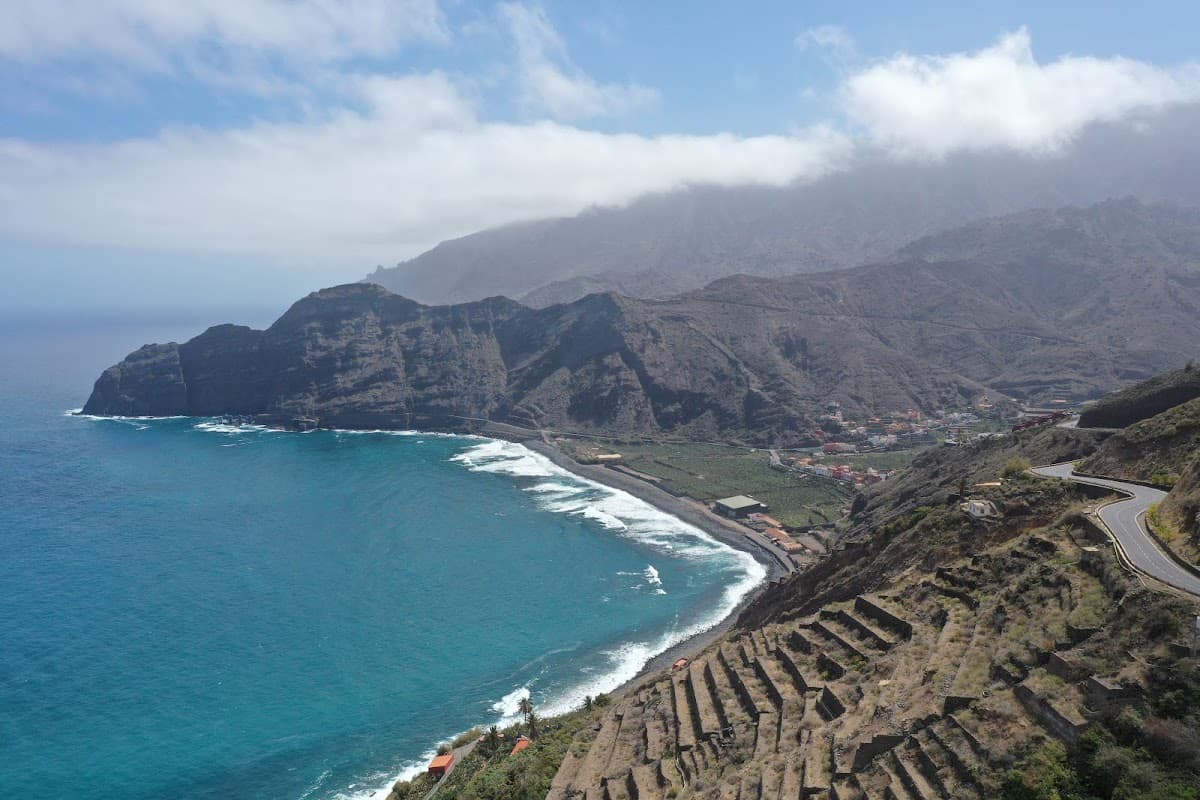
665, 244
1158, 449
1040, 305
358, 356
1143, 400
931, 656
1177, 519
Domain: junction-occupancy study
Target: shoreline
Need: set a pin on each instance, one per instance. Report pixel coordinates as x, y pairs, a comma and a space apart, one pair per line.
690, 512
686, 510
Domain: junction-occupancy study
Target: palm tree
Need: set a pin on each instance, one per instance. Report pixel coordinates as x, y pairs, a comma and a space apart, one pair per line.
493, 739
525, 707
587, 702
533, 721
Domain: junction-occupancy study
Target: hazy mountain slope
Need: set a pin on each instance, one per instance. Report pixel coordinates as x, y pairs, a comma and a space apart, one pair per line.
1144, 400
358, 356
663, 244
1158, 449
1072, 302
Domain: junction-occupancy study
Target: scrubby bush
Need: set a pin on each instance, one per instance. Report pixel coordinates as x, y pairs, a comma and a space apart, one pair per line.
1017, 465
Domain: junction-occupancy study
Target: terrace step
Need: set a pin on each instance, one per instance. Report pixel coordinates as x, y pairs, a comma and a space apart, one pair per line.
866, 630
895, 789
725, 698
598, 755
779, 687
798, 642
817, 766
766, 735
832, 632
962, 759
654, 735
911, 778
616, 788
668, 775
624, 750
792, 666
963, 577
872, 608
960, 595
643, 783
930, 764
793, 778
750, 789
685, 731
749, 694
700, 696
970, 738
958, 780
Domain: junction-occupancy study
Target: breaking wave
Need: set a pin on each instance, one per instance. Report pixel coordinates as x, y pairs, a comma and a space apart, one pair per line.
563, 492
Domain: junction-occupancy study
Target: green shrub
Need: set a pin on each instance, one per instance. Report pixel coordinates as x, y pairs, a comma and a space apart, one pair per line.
1015, 466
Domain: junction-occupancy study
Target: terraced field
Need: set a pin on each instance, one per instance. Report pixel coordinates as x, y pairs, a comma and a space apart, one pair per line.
893, 695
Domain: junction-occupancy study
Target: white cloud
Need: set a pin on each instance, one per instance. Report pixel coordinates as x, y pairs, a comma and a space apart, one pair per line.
392, 164
551, 83
154, 34
364, 185
1001, 97
834, 41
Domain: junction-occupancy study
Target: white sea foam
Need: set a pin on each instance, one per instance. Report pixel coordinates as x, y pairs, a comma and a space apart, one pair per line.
629, 517
509, 706
78, 413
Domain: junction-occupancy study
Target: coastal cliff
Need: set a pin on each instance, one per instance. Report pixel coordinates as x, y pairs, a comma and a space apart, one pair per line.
358, 356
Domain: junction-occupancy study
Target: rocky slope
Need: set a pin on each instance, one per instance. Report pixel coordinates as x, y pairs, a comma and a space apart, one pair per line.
1143, 400
665, 244
1178, 516
931, 656
1038, 305
359, 356
1158, 449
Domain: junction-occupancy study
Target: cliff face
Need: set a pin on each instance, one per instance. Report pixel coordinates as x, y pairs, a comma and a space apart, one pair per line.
352, 355
1067, 303
359, 356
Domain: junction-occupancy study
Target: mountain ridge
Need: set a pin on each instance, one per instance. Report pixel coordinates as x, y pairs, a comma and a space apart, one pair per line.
746, 358
667, 243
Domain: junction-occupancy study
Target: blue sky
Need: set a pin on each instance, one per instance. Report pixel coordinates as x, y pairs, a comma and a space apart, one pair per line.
151, 150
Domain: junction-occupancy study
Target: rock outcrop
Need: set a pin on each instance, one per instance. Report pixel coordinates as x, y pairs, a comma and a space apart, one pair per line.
358, 356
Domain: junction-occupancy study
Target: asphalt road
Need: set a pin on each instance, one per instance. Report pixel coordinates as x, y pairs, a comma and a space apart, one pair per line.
1124, 519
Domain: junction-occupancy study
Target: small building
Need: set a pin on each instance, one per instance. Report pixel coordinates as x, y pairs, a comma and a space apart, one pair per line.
605, 458
441, 764
979, 509
738, 506
522, 743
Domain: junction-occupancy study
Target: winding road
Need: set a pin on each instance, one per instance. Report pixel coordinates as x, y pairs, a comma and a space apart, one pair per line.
1124, 521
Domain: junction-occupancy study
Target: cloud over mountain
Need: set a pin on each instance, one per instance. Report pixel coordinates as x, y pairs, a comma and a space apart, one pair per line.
376, 163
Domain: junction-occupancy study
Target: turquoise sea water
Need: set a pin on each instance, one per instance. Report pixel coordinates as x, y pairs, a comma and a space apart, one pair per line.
191, 609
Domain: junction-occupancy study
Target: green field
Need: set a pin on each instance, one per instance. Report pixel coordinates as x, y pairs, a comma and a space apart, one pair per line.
886, 460
707, 472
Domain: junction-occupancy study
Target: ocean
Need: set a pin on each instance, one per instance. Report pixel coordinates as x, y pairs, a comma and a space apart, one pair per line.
202, 610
